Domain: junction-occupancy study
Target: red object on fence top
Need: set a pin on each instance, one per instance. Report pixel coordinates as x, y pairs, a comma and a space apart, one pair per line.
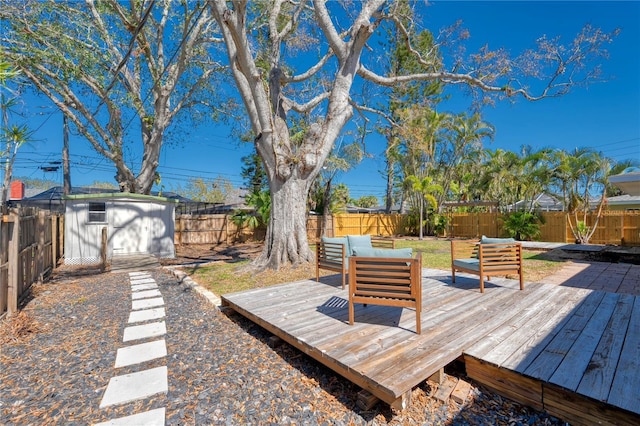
17, 190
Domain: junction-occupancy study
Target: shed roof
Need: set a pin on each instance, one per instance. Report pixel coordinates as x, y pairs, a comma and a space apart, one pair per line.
120, 195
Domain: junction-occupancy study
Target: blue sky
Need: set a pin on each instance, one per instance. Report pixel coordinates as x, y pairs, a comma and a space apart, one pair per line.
605, 116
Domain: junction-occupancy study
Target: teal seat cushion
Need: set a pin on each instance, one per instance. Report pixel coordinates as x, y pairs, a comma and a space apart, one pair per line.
358, 241
380, 252
473, 264
487, 240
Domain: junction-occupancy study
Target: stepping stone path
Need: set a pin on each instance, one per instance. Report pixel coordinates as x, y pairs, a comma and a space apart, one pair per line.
146, 321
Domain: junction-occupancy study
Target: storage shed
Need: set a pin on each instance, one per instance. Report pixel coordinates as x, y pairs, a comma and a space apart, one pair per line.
136, 225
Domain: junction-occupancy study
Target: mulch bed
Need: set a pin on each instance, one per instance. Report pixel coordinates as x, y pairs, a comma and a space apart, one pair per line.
58, 354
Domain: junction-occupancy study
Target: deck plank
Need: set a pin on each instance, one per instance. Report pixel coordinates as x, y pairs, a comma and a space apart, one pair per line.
514, 340
597, 380
545, 364
532, 342
626, 383
499, 341
572, 368
450, 342
535, 338
437, 333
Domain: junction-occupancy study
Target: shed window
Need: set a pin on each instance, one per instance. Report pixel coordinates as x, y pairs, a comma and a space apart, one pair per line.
97, 212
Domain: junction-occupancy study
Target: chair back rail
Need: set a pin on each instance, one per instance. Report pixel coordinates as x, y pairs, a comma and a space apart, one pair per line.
386, 281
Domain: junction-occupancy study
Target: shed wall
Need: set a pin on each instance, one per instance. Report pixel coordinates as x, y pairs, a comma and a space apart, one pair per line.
133, 227
82, 239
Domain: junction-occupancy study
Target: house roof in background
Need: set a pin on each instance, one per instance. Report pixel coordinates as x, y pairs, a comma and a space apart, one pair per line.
628, 181
119, 196
622, 200
56, 193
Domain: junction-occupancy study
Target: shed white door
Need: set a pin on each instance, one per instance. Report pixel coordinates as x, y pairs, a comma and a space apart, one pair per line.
130, 229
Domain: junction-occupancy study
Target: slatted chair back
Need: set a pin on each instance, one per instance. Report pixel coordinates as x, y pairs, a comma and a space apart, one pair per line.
331, 256
387, 281
487, 259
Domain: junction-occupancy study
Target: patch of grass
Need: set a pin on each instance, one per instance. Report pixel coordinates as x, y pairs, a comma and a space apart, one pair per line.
436, 254
535, 268
223, 277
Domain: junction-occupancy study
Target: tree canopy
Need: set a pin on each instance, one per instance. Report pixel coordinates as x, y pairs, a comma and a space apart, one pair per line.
121, 73
302, 70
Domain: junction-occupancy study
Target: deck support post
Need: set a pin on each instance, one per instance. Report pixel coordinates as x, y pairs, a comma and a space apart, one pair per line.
437, 377
404, 401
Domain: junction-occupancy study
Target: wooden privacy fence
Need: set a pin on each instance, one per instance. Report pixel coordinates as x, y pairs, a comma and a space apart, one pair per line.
374, 224
30, 246
614, 227
219, 228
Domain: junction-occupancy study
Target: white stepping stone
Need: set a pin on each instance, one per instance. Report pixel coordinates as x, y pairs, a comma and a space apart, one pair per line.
146, 315
140, 277
138, 274
143, 352
145, 294
141, 287
142, 281
135, 386
144, 331
148, 418
136, 305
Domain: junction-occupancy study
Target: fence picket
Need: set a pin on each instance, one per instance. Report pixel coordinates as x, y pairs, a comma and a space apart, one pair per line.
30, 246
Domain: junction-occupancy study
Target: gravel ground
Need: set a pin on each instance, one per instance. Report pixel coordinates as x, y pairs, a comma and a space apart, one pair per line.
58, 354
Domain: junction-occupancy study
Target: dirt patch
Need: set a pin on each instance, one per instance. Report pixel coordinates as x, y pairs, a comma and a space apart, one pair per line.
198, 253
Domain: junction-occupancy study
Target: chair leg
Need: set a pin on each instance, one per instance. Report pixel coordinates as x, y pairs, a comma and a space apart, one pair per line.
481, 283
351, 313
418, 321
453, 275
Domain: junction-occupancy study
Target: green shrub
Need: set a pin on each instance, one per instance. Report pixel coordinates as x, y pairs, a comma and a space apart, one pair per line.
523, 226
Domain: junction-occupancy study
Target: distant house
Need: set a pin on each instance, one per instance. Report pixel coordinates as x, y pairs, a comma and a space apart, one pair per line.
135, 224
628, 182
541, 202
624, 202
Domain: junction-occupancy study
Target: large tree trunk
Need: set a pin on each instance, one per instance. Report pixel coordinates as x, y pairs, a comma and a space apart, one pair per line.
286, 239
326, 209
389, 190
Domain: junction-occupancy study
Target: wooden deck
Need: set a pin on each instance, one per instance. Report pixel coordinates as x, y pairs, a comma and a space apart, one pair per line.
573, 352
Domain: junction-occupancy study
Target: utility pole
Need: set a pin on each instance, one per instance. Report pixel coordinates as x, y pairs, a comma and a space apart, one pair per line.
65, 156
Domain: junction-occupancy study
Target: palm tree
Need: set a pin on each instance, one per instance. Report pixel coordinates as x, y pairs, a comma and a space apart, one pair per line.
500, 180
463, 149
425, 188
588, 176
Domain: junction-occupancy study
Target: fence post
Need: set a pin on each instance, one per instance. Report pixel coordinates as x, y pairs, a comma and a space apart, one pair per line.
103, 249
331, 221
41, 244
61, 225
54, 240
14, 259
